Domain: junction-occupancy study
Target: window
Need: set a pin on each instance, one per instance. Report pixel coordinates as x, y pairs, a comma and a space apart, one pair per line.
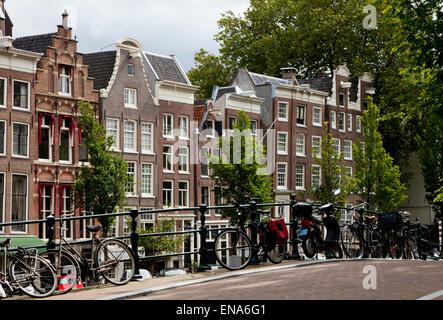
341, 122
147, 180
64, 80
21, 95
349, 122
65, 147
205, 194
281, 175
19, 207
3, 93
167, 158
333, 120
358, 123
84, 234
183, 194
130, 98
346, 216
282, 111
254, 127
167, 125
131, 172
130, 142
301, 115
208, 126
300, 145
316, 117
2, 138
183, 160
299, 177
147, 138
44, 147
167, 193
347, 150
112, 129
66, 211
316, 147
183, 127
218, 200
337, 147
20, 139
131, 70
341, 100
232, 122
2, 199
146, 219
204, 152
282, 143
348, 172
316, 176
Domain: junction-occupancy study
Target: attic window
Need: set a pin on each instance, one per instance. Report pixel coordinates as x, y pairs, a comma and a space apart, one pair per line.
131, 69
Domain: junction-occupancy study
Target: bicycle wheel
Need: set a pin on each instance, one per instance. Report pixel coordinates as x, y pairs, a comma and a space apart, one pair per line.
351, 242
376, 243
395, 242
67, 269
34, 276
233, 250
115, 261
276, 253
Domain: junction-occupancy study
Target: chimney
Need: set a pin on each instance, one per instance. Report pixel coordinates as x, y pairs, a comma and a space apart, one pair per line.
289, 74
65, 16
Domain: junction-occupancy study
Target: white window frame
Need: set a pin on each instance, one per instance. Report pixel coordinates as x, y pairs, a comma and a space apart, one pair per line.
281, 134
302, 187
117, 133
304, 116
344, 97
278, 172
151, 177
210, 132
358, 123
229, 122
5, 93
134, 193
26, 206
27, 142
350, 149
207, 164
169, 155
180, 127
315, 123
133, 69
3, 152
312, 175
281, 103
348, 170
3, 214
209, 197
186, 157
297, 144
338, 146
170, 190
133, 149
344, 122
28, 104
333, 119
316, 145
63, 77
254, 131
69, 225
166, 131
128, 94
64, 128
180, 194
349, 121
150, 134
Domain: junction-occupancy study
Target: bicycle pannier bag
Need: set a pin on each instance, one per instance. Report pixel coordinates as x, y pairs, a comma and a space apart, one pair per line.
389, 220
278, 231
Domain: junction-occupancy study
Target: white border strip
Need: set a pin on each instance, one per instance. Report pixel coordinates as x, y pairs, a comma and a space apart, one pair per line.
432, 295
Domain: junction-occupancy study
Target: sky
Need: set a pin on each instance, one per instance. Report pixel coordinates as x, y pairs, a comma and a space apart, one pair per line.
179, 27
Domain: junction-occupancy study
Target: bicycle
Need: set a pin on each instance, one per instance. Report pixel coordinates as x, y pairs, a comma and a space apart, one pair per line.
26, 272
234, 251
410, 249
111, 259
390, 224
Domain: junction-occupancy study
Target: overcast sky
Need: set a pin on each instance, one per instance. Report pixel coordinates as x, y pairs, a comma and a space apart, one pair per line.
179, 27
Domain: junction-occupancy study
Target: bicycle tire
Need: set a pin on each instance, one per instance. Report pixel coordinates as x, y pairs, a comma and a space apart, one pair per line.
68, 269
277, 253
309, 245
232, 249
351, 242
377, 244
34, 276
395, 242
115, 261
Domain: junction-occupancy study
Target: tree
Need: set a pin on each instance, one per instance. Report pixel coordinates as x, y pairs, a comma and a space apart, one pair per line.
238, 171
332, 172
376, 180
100, 186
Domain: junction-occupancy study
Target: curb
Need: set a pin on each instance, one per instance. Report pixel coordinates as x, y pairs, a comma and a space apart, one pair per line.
143, 292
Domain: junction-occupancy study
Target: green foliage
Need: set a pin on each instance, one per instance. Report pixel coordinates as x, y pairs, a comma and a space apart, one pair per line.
158, 245
238, 171
333, 173
100, 186
377, 180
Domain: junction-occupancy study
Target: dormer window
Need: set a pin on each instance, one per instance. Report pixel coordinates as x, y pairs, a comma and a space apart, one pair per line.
131, 70
342, 100
64, 80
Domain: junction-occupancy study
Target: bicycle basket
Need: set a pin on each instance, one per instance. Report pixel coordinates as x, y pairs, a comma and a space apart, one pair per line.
278, 231
389, 220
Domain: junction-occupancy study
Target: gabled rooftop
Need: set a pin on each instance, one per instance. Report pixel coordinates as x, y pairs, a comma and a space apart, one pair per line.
166, 68
37, 43
101, 65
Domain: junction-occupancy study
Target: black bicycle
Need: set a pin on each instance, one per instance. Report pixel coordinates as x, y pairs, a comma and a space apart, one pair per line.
408, 237
233, 248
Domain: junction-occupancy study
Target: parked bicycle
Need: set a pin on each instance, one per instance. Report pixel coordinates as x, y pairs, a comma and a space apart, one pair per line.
233, 248
111, 259
24, 270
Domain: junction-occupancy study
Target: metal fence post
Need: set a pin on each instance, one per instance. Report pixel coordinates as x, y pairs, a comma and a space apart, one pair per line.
419, 238
50, 222
203, 266
134, 243
253, 215
294, 236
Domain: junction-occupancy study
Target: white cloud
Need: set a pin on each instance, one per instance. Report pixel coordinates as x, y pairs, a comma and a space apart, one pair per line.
179, 27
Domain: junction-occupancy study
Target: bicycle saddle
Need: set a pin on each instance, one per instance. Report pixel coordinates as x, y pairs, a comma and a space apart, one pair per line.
93, 228
5, 243
370, 218
327, 207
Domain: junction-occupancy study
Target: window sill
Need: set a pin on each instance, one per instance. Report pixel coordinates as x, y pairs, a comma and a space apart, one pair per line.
282, 120
64, 94
148, 153
65, 162
20, 157
129, 195
144, 196
168, 171
316, 125
301, 125
205, 177
300, 155
130, 106
21, 109
184, 172
282, 153
182, 138
300, 188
